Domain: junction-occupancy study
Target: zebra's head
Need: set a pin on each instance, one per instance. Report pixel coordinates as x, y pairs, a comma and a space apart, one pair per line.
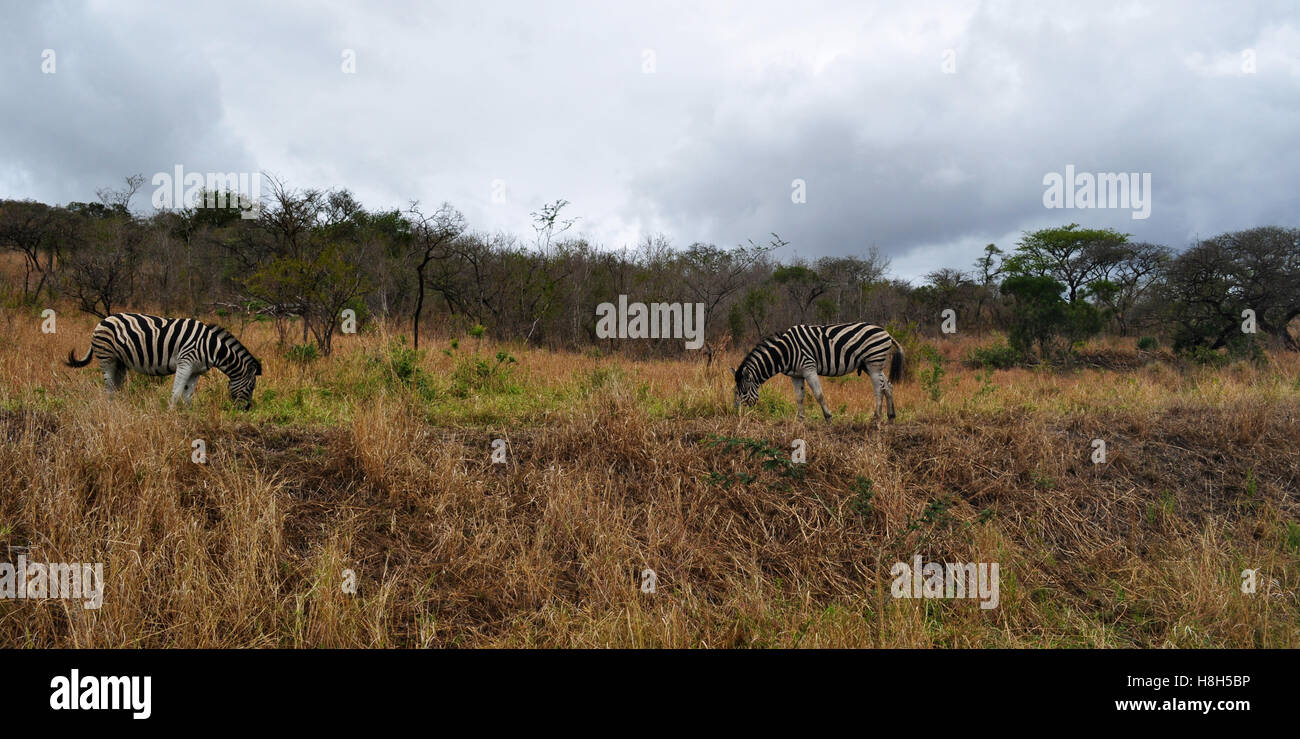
243, 382
746, 387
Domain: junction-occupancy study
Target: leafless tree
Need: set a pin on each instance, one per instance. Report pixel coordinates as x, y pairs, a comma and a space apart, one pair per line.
432, 236
711, 275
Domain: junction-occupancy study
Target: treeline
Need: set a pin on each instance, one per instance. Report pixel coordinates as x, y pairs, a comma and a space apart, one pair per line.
303, 256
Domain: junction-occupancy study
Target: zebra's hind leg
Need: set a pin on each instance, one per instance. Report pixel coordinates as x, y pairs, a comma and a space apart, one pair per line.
878, 384
889, 395
798, 394
816, 385
114, 374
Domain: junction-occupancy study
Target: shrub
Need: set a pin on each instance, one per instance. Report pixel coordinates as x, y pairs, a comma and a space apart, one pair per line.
861, 504
401, 368
932, 377
1243, 347
303, 353
1148, 344
474, 373
908, 336
995, 356
1041, 318
1201, 354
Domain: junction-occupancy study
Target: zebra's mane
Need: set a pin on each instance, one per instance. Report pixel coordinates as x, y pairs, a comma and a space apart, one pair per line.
224, 336
750, 362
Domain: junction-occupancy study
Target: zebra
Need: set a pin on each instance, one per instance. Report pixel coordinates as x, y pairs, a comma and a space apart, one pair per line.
804, 352
152, 345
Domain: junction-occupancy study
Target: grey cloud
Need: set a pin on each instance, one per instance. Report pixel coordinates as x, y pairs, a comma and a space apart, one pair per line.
552, 101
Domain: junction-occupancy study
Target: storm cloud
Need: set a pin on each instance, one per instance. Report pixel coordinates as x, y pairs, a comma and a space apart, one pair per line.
925, 130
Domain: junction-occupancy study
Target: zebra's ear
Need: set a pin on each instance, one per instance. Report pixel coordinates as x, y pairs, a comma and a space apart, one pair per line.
734, 373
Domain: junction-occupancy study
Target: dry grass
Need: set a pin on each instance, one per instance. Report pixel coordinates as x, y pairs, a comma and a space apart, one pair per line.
617, 466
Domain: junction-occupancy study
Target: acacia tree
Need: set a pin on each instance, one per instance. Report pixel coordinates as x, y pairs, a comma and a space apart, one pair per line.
848, 281
321, 284
1132, 280
29, 228
119, 200
947, 288
287, 223
755, 305
432, 236
988, 269
1070, 255
1210, 285
802, 285
107, 237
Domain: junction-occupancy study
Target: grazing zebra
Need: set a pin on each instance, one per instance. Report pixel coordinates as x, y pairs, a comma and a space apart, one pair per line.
161, 346
805, 351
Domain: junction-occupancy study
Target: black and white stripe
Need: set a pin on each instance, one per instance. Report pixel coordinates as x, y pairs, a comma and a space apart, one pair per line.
185, 347
805, 352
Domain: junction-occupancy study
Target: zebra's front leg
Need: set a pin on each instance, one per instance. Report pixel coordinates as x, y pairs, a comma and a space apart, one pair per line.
798, 394
816, 385
188, 395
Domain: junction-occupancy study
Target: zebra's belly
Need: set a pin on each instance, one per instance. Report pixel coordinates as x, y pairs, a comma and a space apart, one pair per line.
840, 372
162, 371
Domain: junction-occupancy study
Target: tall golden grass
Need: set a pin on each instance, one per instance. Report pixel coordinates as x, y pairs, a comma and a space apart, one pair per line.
618, 466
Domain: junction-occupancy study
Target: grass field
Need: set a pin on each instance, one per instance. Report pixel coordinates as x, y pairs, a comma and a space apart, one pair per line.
378, 460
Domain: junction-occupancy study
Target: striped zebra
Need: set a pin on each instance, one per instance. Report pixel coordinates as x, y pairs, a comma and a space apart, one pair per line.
188, 348
805, 352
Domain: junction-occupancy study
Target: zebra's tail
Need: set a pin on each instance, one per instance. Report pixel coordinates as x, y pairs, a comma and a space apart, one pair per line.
74, 362
896, 364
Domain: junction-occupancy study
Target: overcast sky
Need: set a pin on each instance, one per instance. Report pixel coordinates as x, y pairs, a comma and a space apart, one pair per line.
923, 129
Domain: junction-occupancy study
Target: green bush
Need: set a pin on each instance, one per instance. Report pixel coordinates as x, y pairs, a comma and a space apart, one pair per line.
474, 373
908, 336
1148, 344
861, 504
932, 377
400, 368
1247, 347
995, 356
1242, 347
1041, 318
303, 353
404, 361
1201, 354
